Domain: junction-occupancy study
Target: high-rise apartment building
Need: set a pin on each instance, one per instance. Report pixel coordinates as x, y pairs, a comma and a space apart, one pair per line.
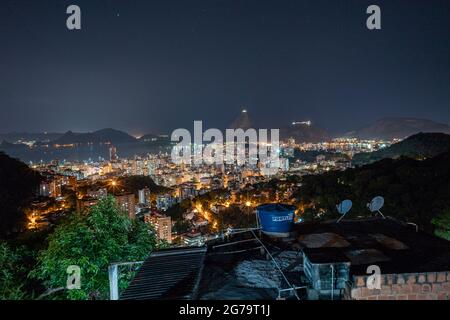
126, 202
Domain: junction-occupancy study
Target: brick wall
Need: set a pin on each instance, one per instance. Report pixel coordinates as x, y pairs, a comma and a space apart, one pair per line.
408, 286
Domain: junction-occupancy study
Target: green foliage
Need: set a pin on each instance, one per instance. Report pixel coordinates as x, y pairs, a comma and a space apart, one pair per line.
176, 211
211, 197
181, 226
11, 273
414, 190
235, 217
418, 146
442, 224
92, 241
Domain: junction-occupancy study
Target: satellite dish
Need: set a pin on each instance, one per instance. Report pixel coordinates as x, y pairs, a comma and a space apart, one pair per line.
376, 204
343, 208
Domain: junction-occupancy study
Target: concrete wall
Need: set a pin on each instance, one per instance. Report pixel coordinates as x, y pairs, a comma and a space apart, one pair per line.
408, 286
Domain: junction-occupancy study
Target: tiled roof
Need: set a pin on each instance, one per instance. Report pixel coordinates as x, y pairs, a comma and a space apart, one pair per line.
168, 274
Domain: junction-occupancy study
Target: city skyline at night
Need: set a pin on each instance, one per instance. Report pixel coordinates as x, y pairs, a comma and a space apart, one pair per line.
226, 155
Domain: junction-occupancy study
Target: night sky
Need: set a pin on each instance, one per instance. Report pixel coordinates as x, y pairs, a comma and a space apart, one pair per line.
155, 65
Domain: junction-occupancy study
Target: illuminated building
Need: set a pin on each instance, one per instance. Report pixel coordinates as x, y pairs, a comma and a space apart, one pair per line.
193, 239
126, 203
187, 190
112, 153
151, 167
284, 164
97, 193
50, 188
162, 224
164, 202
144, 196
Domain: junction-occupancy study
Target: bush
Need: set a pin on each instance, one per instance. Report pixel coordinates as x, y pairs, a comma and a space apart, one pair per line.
92, 241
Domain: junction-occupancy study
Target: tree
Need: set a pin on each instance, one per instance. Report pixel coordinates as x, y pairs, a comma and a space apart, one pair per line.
11, 273
181, 226
442, 225
414, 190
92, 241
176, 211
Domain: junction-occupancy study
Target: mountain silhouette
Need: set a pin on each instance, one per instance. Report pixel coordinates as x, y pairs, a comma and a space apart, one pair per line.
100, 136
418, 146
242, 121
304, 132
398, 128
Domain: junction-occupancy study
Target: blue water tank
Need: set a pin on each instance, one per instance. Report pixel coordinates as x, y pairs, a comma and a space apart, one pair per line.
275, 218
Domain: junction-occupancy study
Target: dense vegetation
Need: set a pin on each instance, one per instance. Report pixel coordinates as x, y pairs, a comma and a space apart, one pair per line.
18, 183
419, 146
32, 263
414, 190
12, 272
92, 242
442, 224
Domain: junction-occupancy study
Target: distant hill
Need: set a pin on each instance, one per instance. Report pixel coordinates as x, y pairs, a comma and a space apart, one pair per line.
304, 132
18, 183
398, 128
414, 190
300, 131
418, 146
100, 136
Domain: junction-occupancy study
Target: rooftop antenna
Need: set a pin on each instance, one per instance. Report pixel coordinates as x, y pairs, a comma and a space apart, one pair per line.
343, 208
376, 204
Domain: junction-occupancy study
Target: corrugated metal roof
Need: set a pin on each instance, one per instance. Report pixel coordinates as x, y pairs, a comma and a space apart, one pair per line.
168, 274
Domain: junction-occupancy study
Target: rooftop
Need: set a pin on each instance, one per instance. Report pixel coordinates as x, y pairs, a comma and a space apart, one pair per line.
168, 274
394, 246
236, 267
